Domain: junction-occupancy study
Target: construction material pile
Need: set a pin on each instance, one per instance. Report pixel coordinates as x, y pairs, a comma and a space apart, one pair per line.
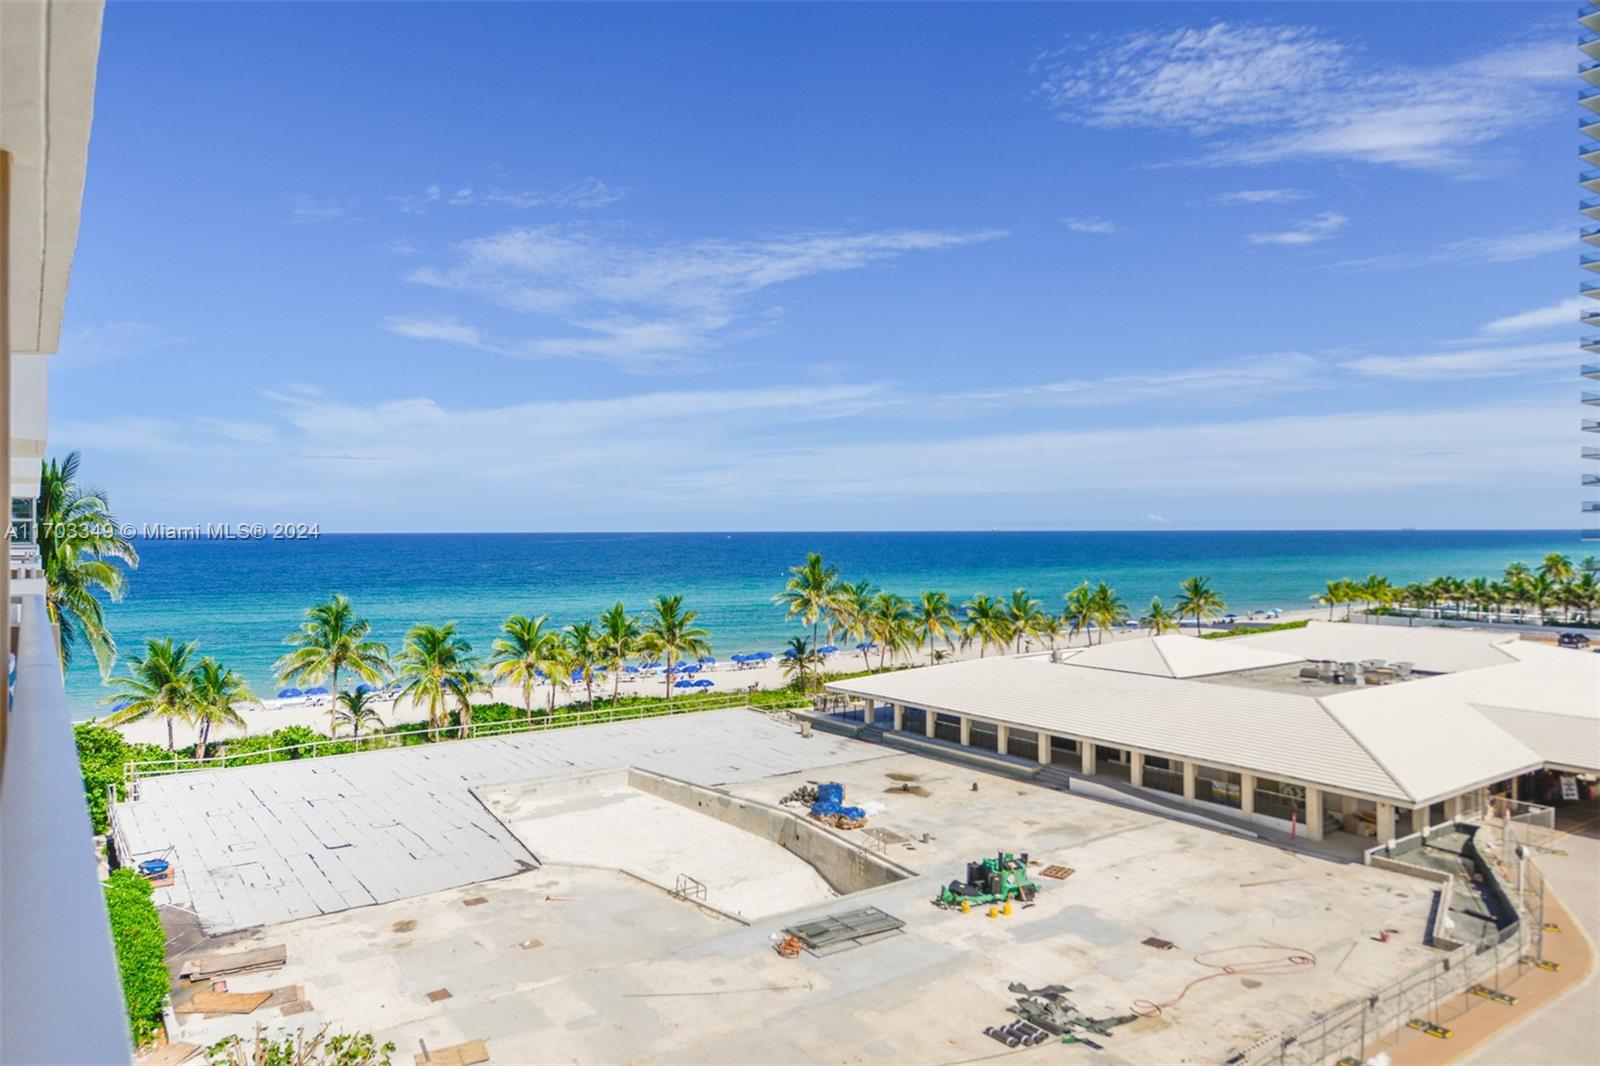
803, 796
830, 808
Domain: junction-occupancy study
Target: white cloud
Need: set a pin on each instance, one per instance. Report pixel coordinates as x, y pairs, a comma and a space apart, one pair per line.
1465, 363
1090, 224
1510, 247
1278, 92
102, 341
309, 209
1306, 231
434, 329
647, 307
1234, 382
1262, 196
1562, 313
580, 195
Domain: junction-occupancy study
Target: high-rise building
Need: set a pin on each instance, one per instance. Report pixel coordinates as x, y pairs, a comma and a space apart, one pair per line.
1589, 179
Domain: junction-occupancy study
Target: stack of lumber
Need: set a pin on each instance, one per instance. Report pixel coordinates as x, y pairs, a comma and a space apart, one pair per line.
203, 968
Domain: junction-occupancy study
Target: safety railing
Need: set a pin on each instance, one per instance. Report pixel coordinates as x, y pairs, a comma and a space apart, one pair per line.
563, 718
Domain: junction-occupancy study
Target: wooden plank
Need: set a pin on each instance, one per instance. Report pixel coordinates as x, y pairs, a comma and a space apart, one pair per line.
473, 1051
208, 1002
171, 1054
206, 966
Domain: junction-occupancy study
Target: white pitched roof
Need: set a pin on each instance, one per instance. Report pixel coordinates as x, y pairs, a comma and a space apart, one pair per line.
1430, 649
1172, 655
1275, 734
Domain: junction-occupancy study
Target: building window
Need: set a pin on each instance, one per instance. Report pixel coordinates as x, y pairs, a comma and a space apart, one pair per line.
983, 735
1221, 787
1163, 775
1023, 744
1278, 799
947, 727
914, 720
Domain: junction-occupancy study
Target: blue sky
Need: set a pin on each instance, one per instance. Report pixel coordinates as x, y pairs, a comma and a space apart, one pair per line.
506, 267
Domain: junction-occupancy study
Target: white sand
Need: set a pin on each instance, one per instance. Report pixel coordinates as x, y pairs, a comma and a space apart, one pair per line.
275, 714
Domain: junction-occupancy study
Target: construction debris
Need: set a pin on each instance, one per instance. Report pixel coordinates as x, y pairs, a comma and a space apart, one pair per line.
1019, 1034
467, 1054
1158, 943
790, 947
208, 1002
1048, 1008
171, 1054
804, 796
829, 808
1060, 873
997, 880
208, 967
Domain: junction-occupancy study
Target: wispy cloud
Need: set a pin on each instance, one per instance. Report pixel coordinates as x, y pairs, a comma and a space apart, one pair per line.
1091, 224
1500, 362
652, 307
1510, 247
310, 209
1270, 92
1233, 382
99, 342
1262, 196
1562, 313
1306, 231
582, 195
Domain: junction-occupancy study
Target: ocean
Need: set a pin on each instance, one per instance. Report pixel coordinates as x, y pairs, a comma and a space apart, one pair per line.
239, 599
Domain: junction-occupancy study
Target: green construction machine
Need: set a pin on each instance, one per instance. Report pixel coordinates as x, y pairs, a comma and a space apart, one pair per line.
997, 880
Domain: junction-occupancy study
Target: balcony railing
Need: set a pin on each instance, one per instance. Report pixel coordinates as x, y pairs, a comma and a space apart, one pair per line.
1591, 479
1591, 453
1586, 150
1590, 370
1591, 425
1591, 506
59, 965
1591, 398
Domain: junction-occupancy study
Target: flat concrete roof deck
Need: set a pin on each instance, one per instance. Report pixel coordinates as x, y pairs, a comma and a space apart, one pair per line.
258, 845
571, 963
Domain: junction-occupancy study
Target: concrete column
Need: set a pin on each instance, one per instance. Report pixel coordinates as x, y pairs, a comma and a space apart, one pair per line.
1136, 769
1313, 813
1247, 796
929, 718
1044, 749
1002, 735
966, 732
1385, 823
1516, 788
899, 716
1419, 819
1188, 781
1086, 752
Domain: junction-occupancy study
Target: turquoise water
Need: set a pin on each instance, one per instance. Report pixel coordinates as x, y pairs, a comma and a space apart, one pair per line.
240, 598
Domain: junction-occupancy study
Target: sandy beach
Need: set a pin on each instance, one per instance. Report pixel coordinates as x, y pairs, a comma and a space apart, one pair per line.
274, 714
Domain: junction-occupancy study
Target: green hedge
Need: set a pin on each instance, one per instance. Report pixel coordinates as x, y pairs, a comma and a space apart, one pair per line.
1239, 631
141, 946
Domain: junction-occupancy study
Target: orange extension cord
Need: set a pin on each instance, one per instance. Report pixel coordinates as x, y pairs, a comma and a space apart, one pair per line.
1247, 960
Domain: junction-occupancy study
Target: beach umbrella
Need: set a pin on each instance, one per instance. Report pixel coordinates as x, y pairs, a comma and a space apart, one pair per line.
688, 668
738, 658
866, 645
121, 705
790, 654
827, 649
708, 660
684, 683
364, 687
630, 669
763, 656
702, 682
317, 690
289, 693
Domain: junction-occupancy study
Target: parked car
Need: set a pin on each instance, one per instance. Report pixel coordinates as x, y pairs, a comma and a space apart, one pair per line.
1573, 640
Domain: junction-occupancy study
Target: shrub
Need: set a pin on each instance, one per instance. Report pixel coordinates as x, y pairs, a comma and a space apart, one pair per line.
141, 946
1240, 631
321, 1050
100, 758
295, 737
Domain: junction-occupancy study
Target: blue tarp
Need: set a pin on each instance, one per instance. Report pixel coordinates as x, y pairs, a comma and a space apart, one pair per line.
830, 800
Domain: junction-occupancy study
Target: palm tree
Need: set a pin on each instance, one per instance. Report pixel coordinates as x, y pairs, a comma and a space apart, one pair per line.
671, 631
933, 620
891, 625
355, 709
986, 622
1517, 572
1079, 612
584, 657
1377, 593
1025, 616
214, 689
79, 549
1557, 568
1199, 600
1332, 594
435, 665
333, 639
800, 661
812, 593
1158, 619
1108, 608
852, 615
1540, 591
522, 654
157, 686
618, 642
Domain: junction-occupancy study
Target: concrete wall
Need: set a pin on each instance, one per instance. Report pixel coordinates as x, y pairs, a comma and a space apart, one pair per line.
846, 866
